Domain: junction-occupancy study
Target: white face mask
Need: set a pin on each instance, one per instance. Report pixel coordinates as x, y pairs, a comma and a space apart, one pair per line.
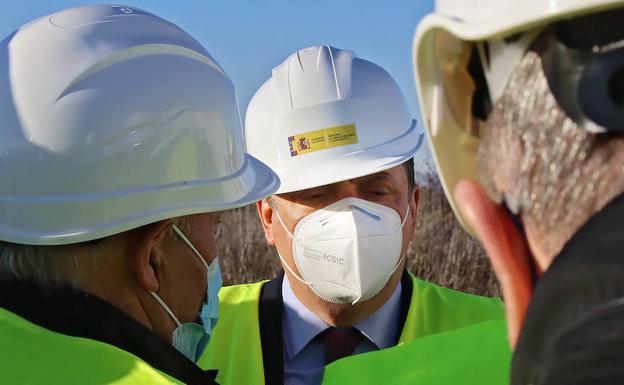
347, 251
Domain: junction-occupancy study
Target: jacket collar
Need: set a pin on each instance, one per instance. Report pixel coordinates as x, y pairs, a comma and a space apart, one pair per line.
76, 313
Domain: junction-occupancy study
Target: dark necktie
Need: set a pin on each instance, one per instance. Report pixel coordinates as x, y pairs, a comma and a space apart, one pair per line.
340, 342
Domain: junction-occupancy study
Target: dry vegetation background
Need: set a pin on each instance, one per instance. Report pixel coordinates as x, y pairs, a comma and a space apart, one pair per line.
442, 252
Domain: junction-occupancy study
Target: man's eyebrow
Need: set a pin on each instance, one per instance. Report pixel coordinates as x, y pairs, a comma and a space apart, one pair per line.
295, 194
376, 176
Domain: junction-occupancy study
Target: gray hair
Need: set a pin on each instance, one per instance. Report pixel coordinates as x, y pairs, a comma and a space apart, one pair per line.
45, 265
49, 266
547, 168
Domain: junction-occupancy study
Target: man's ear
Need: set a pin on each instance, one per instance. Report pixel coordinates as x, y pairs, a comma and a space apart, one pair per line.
265, 212
506, 249
414, 200
146, 252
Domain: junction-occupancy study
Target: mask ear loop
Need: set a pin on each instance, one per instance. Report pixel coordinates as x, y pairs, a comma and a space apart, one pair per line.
164, 306
189, 244
201, 258
299, 278
279, 217
214, 264
407, 212
405, 217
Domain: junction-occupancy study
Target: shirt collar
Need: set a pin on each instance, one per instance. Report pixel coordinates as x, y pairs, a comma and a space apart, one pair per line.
381, 326
301, 325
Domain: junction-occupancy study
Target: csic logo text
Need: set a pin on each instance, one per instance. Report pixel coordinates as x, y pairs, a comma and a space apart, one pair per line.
333, 259
319, 255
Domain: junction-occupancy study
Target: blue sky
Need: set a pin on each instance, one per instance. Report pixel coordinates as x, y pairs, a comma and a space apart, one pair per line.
250, 37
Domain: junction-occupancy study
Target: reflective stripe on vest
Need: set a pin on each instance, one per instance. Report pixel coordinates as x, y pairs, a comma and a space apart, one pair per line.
34, 355
235, 348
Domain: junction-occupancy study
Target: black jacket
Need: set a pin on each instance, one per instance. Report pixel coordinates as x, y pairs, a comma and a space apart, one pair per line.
573, 332
76, 313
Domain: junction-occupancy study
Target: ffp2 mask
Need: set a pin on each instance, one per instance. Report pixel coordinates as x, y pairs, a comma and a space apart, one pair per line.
347, 251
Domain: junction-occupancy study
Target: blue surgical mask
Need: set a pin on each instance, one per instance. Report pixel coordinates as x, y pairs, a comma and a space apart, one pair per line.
191, 338
209, 313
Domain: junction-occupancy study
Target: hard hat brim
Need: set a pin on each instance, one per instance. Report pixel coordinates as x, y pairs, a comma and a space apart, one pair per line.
353, 165
522, 19
71, 219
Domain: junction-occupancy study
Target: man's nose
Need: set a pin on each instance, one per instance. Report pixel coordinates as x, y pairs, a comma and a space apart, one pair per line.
348, 189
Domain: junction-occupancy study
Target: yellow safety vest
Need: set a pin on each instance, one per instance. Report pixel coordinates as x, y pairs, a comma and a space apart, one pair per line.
31, 354
474, 355
235, 347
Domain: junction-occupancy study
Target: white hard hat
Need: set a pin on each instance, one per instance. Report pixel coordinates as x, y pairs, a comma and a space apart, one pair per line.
443, 43
326, 116
112, 118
